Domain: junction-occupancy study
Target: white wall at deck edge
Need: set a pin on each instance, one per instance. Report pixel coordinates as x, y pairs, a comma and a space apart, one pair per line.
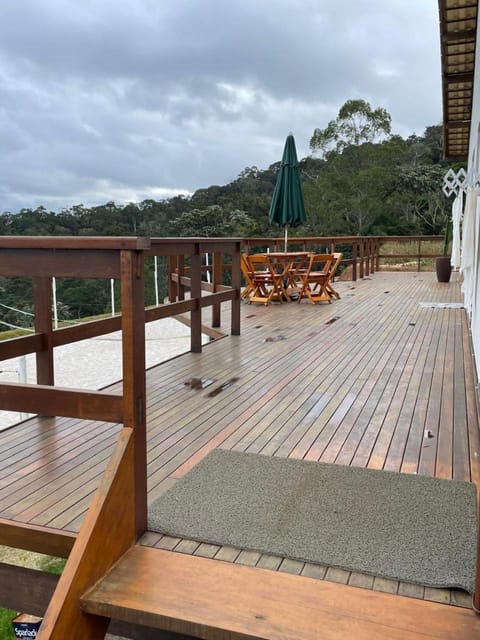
474, 178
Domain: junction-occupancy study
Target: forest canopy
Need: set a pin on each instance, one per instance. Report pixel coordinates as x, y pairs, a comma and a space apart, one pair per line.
360, 179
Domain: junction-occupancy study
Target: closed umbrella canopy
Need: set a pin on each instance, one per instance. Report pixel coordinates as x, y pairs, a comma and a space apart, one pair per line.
287, 208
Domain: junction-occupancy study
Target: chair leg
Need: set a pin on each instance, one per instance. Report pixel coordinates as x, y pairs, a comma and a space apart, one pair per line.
333, 291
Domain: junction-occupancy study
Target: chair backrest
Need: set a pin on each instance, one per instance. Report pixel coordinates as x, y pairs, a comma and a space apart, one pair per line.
246, 270
258, 263
337, 259
320, 263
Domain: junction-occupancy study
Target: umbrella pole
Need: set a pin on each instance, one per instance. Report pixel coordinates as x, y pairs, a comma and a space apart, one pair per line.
286, 237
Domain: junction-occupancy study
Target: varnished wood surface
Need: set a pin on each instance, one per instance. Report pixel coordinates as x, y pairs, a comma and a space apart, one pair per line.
76, 243
108, 531
355, 382
46, 400
217, 600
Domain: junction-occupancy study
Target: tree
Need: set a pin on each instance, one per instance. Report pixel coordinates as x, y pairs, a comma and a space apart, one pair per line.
357, 123
360, 159
420, 189
427, 149
213, 221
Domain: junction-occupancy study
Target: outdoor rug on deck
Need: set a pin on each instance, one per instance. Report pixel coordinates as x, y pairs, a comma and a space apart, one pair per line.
405, 527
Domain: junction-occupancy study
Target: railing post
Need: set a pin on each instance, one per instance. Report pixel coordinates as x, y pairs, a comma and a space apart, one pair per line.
181, 273
172, 285
362, 256
367, 257
42, 300
419, 254
133, 364
354, 260
377, 252
216, 281
236, 283
196, 293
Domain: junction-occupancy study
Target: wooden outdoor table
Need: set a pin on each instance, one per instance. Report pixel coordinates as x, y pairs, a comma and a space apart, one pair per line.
290, 263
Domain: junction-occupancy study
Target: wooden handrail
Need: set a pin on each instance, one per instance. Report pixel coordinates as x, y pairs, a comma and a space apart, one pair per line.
366, 257
366, 251
21, 256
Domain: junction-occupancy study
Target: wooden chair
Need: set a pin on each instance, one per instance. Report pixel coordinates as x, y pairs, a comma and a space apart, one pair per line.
337, 258
247, 276
315, 279
296, 267
267, 283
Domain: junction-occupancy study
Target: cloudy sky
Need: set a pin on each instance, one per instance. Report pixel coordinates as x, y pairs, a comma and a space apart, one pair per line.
130, 99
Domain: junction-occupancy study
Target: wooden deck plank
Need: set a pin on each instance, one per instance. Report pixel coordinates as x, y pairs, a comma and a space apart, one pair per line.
363, 436
428, 452
216, 600
392, 400
331, 396
355, 382
472, 415
407, 394
53, 471
444, 461
416, 437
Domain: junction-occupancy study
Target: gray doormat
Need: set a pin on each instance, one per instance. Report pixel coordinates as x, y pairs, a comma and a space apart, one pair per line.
398, 526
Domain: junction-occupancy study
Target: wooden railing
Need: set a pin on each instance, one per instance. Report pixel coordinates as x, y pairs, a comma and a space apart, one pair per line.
88, 258
120, 504
364, 254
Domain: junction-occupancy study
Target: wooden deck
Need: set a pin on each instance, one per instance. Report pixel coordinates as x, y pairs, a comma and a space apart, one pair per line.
375, 379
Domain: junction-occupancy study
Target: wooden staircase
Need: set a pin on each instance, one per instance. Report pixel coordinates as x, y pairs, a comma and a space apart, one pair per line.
217, 600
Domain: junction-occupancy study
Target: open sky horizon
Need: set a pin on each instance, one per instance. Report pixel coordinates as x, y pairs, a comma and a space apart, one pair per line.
102, 100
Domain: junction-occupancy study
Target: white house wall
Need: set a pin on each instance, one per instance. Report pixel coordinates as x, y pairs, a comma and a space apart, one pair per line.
474, 178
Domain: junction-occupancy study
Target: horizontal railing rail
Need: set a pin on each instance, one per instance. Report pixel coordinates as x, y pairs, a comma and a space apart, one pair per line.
80, 258
364, 254
189, 270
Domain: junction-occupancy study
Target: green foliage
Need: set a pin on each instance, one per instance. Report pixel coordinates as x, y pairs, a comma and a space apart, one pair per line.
357, 123
360, 180
420, 188
213, 221
6, 629
54, 565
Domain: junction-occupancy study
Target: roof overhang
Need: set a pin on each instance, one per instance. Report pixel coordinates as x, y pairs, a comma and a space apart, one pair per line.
458, 32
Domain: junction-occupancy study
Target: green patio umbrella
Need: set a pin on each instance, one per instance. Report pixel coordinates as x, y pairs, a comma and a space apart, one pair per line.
287, 208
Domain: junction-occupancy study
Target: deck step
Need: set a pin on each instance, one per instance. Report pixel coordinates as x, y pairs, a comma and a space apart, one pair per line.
218, 600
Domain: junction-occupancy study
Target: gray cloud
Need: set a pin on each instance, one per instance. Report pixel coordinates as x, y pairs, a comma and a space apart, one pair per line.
104, 100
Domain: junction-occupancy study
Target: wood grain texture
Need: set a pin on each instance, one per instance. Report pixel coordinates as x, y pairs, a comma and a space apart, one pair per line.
58, 401
33, 538
133, 366
59, 262
33, 589
74, 242
108, 530
213, 600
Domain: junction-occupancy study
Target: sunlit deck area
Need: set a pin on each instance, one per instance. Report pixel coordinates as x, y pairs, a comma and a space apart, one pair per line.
381, 378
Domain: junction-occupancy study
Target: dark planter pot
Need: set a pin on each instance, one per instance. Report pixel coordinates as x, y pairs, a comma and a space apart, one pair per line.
443, 268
